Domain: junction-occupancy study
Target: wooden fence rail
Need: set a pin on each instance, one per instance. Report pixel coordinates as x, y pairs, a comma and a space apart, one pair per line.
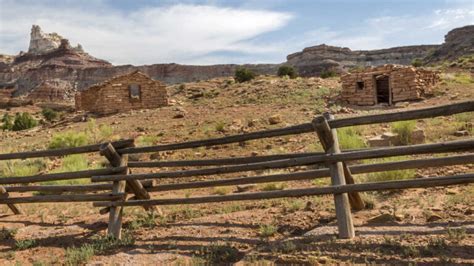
462, 145
320, 173
69, 188
221, 161
64, 151
388, 185
60, 176
64, 198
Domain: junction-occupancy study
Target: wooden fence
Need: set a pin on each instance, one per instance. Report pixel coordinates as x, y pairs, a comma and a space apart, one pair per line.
111, 185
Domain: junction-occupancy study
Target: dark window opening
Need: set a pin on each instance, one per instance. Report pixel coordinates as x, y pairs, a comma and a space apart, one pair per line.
134, 91
360, 85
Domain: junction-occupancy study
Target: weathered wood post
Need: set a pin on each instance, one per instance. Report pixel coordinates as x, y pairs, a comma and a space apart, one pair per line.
354, 197
115, 215
4, 194
330, 143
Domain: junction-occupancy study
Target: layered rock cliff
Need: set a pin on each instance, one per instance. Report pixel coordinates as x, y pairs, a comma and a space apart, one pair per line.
53, 69
316, 59
458, 42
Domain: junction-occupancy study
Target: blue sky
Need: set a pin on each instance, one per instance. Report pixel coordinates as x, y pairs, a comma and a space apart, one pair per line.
211, 32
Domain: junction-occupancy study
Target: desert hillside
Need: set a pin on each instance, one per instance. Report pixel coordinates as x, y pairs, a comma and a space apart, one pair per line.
430, 226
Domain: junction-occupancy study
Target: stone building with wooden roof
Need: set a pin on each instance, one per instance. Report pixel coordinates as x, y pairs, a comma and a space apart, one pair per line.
123, 93
387, 84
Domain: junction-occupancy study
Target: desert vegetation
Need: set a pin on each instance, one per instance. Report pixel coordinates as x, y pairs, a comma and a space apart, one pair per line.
430, 225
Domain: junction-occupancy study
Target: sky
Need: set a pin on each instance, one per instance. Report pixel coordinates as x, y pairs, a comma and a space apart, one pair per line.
233, 31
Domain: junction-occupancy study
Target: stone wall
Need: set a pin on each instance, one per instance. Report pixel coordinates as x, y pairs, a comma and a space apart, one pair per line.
113, 96
405, 83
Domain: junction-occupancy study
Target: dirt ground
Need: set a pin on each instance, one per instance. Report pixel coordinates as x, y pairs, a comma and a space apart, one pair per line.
422, 226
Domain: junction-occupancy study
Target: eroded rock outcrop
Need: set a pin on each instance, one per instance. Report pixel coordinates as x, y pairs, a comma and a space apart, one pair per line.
42, 43
312, 61
458, 42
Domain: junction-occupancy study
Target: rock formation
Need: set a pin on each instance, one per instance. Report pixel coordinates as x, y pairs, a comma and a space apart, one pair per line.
51, 58
458, 42
316, 59
41, 42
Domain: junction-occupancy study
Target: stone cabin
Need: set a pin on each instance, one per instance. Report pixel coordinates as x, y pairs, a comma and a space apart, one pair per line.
387, 84
123, 93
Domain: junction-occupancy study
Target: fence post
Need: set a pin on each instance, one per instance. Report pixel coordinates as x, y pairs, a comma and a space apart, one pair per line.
330, 143
15, 209
115, 214
354, 197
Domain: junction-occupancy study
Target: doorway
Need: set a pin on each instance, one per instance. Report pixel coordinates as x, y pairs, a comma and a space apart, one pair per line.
383, 89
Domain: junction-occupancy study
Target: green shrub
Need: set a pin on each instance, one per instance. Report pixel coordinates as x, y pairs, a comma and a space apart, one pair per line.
243, 75
25, 244
350, 138
147, 140
22, 168
287, 71
463, 78
220, 126
104, 243
218, 254
80, 255
68, 139
49, 114
72, 163
464, 121
98, 134
417, 62
7, 121
328, 74
148, 221
221, 191
404, 129
273, 186
23, 121
294, 205
390, 175
267, 230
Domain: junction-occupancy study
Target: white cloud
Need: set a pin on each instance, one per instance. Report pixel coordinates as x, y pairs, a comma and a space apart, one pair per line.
391, 31
176, 33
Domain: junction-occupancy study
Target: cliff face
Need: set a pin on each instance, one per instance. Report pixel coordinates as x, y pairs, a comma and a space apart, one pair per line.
314, 60
458, 42
53, 69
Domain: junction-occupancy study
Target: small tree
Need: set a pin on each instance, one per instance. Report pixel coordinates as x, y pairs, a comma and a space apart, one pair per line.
7, 121
23, 121
287, 71
243, 75
49, 114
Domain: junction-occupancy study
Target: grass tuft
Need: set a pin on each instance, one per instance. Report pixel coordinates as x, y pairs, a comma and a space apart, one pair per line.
267, 230
404, 129
390, 175
273, 186
350, 138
